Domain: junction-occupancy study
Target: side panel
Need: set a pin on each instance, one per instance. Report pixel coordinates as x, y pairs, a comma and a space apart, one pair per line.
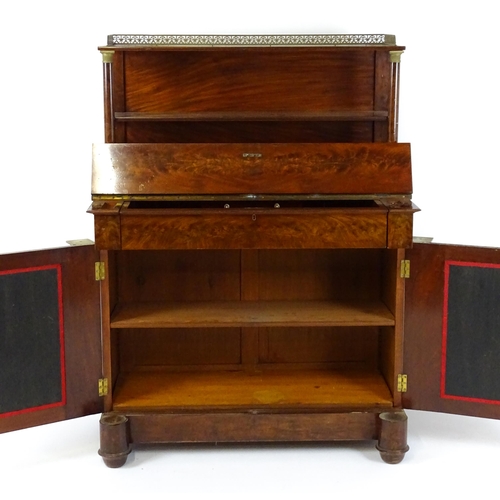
50, 356
452, 330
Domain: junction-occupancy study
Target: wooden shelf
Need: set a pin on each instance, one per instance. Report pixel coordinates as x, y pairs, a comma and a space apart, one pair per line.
371, 116
268, 389
251, 314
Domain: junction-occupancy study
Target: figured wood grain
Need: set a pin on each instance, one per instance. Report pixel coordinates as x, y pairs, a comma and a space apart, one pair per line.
153, 391
400, 229
319, 168
106, 224
251, 87
251, 314
247, 229
265, 79
107, 231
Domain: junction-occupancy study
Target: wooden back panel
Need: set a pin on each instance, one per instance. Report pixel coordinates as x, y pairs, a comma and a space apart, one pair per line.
257, 131
261, 79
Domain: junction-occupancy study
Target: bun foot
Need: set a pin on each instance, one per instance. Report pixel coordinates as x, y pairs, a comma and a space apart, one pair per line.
113, 462
392, 457
114, 448
392, 443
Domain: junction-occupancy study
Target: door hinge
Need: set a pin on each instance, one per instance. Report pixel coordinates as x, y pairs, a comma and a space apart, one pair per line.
402, 382
103, 387
100, 271
405, 269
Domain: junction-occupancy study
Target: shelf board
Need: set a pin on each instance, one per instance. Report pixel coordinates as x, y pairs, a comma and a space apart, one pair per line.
216, 116
251, 314
267, 389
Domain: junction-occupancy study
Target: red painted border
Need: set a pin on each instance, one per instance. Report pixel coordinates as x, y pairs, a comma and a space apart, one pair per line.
58, 268
443, 394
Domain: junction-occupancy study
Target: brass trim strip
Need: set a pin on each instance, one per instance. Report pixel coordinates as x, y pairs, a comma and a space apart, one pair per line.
252, 40
247, 197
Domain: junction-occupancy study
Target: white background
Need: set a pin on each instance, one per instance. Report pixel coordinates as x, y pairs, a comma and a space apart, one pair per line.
51, 112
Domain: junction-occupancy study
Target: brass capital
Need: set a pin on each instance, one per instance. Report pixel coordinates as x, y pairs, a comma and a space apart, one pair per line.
107, 55
395, 55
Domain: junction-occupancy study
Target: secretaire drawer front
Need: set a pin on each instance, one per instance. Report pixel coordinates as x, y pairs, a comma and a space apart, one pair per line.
348, 228
211, 169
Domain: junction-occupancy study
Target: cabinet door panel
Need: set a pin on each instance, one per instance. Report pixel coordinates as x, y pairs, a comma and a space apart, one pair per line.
50, 356
452, 330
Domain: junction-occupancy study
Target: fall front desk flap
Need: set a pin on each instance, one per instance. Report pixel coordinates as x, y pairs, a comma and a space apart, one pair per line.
184, 195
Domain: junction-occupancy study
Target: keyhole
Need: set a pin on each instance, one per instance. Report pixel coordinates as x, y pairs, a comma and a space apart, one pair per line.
254, 217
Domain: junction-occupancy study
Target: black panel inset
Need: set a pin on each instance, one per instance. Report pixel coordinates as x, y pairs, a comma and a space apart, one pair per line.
31, 355
471, 364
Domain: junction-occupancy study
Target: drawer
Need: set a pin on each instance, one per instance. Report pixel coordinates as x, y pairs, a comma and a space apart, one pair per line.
252, 228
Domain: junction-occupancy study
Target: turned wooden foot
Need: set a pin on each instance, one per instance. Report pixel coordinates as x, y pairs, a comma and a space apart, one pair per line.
114, 440
392, 443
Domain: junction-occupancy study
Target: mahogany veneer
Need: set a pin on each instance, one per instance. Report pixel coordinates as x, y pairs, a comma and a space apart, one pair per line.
249, 213
253, 221
222, 169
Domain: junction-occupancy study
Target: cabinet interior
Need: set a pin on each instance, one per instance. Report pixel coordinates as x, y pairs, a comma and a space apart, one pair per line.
250, 204
236, 329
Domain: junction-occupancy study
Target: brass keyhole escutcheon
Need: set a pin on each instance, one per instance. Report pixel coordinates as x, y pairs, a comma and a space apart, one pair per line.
252, 155
254, 217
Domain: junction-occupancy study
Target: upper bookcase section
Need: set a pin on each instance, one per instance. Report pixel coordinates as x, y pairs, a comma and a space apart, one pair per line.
251, 88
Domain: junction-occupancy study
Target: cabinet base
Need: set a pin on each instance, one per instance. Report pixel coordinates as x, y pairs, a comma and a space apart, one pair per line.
118, 431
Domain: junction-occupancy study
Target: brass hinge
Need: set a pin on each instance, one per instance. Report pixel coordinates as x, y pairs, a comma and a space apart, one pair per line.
405, 269
103, 387
100, 271
402, 382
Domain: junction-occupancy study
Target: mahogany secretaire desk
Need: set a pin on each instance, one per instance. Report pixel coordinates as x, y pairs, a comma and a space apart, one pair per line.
253, 276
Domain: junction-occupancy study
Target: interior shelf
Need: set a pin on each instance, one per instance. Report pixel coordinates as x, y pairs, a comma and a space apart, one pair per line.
251, 314
268, 389
348, 115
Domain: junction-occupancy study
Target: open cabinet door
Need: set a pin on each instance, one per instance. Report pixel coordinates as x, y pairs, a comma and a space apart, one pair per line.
452, 330
50, 340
